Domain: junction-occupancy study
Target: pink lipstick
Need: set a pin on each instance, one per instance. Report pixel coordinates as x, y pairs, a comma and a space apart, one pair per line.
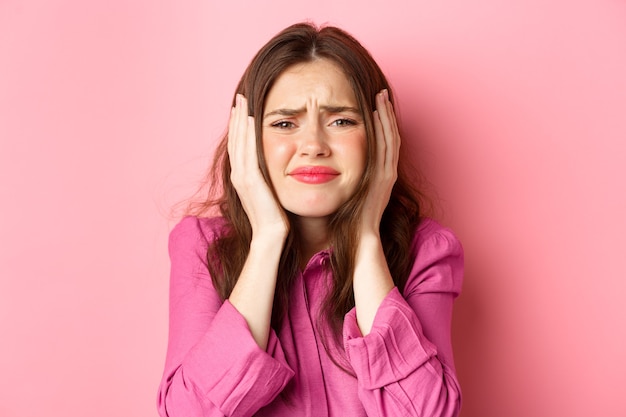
314, 174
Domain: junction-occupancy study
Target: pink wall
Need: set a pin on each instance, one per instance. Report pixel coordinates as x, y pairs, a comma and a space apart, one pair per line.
108, 111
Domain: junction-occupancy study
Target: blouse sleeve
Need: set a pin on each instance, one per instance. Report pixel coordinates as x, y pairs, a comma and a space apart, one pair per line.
404, 365
213, 365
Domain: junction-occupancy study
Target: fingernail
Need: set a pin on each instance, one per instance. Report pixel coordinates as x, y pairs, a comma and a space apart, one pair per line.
386, 93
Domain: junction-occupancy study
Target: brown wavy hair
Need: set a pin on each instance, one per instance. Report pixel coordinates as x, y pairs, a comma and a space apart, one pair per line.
298, 44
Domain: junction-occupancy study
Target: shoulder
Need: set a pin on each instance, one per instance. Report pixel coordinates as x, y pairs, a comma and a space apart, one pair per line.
196, 231
431, 236
438, 259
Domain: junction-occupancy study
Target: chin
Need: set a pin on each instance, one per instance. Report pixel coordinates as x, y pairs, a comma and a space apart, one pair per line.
311, 214
311, 211
313, 206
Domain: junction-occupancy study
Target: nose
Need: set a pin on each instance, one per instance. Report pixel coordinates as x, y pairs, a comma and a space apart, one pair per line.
314, 142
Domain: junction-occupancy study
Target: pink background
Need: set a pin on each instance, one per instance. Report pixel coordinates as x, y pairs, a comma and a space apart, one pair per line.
108, 114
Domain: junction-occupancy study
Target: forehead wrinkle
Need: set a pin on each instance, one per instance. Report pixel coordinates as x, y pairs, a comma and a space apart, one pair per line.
332, 109
317, 94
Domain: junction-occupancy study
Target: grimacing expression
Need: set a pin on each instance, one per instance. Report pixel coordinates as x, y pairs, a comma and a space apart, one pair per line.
314, 138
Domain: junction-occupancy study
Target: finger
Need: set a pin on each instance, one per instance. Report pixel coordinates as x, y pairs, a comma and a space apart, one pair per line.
251, 159
390, 129
231, 134
387, 131
247, 137
380, 140
394, 123
239, 134
233, 131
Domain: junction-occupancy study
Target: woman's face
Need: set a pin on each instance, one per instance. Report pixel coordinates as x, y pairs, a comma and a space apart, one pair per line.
314, 139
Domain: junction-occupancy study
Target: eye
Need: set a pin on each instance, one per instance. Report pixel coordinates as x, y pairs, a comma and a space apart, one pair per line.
283, 124
343, 122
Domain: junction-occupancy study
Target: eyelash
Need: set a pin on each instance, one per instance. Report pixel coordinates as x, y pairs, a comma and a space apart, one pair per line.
284, 124
344, 122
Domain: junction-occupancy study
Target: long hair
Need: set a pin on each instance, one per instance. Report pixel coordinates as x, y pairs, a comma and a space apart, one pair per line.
298, 44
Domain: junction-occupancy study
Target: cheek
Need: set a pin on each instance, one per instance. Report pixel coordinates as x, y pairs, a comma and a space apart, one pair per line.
277, 153
363, 154
355, 152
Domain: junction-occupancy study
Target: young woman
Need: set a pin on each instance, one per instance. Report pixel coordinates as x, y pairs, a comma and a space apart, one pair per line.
319, 289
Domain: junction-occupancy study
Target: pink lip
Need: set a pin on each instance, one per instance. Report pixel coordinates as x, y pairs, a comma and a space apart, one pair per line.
314, 174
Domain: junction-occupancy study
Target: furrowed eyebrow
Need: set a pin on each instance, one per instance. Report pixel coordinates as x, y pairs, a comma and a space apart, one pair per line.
340, 109
284, 112
329, 109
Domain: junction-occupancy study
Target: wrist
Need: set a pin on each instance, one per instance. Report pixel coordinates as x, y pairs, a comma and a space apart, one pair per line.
369, 240
268, 241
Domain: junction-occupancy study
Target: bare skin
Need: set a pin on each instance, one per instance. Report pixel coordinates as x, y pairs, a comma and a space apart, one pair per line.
372, 279
253, 294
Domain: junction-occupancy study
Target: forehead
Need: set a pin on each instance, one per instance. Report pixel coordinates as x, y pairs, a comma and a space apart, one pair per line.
321, 80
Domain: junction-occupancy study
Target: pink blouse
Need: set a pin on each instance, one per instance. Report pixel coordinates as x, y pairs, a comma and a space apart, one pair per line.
403, 367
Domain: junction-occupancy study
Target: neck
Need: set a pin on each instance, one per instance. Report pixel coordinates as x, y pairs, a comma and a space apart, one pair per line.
312, 234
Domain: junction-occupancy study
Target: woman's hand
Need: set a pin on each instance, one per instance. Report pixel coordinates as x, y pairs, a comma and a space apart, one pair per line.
387, 152
372, 280
253, 294
264, 213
